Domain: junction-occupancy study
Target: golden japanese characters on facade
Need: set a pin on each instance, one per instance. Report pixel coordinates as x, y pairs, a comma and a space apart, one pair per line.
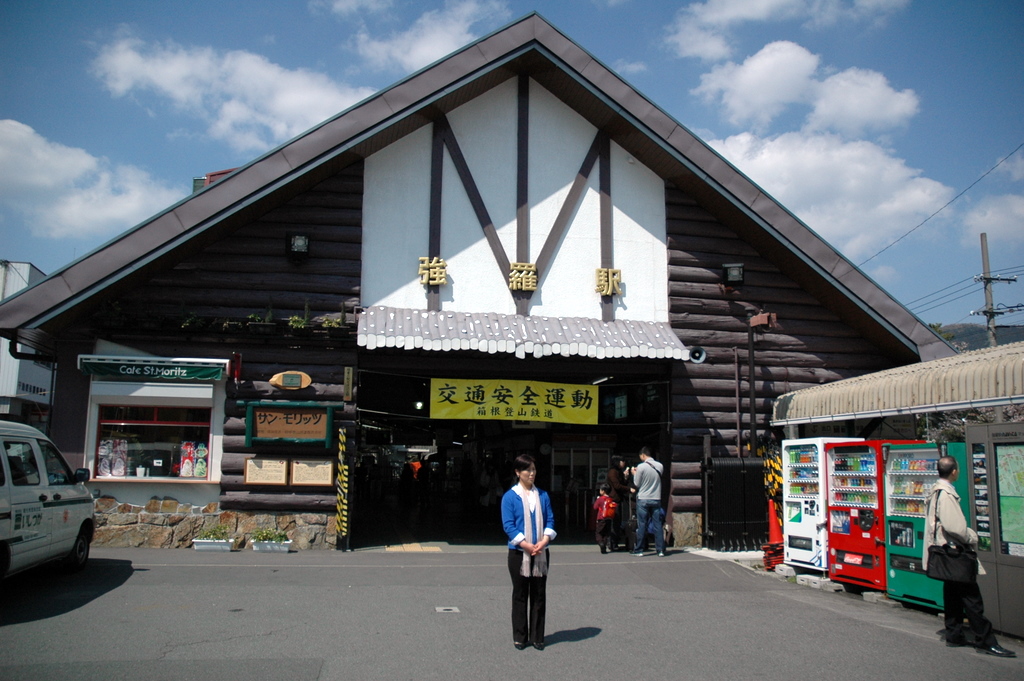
608, 281
523, 276
433, 271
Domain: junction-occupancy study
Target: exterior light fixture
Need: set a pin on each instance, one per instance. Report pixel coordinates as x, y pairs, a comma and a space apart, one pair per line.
297, 246
732, 274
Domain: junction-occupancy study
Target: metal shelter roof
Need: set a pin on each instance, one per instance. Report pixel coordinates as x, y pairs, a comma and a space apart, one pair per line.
492, 333
983, 378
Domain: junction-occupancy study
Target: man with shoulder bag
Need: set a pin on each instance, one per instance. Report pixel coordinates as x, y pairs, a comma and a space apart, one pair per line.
946, 528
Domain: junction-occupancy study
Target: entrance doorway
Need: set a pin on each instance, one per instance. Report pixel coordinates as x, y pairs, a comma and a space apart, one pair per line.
424, 481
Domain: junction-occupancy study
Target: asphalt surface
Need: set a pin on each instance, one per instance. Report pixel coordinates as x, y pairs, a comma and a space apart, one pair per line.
443, 613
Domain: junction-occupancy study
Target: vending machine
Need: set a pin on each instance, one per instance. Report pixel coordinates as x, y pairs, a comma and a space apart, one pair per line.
804, 525
910, 474
856, 528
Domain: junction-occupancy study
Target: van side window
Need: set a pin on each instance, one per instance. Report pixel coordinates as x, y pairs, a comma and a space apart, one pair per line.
57, 471
22, 460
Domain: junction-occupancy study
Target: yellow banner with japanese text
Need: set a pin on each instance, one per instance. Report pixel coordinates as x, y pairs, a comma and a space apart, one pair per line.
455, 398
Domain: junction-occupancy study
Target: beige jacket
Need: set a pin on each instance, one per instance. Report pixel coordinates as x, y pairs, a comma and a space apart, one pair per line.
950, 520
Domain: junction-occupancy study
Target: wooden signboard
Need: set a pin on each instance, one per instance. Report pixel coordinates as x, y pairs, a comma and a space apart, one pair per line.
259, 471
313, 472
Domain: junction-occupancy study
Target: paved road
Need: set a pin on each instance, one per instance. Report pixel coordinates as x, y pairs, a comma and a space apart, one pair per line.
149, 615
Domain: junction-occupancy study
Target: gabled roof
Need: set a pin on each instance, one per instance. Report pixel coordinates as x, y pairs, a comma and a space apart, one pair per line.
532, 46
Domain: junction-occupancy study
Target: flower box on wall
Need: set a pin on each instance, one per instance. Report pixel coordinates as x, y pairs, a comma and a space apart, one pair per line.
213, 544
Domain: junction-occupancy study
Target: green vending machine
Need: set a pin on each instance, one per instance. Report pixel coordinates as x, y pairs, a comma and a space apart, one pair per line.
910, 473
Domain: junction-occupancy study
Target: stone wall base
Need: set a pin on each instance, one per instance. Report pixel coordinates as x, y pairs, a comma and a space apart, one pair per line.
687, 529
167, 524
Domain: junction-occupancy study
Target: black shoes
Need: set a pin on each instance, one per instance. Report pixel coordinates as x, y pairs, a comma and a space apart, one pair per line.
956, 643
997, 650
522, 646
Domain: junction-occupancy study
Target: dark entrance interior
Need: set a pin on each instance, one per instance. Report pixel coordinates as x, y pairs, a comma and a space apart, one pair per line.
422, 480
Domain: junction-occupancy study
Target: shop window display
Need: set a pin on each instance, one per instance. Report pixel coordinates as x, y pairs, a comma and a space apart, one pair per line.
155, 442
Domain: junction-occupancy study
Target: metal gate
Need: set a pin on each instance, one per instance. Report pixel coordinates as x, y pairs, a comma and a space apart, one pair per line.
735, 507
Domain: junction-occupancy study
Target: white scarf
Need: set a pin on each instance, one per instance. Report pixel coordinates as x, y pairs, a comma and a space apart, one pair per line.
533, 527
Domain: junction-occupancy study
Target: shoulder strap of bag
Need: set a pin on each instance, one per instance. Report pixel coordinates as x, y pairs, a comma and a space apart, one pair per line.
935, 515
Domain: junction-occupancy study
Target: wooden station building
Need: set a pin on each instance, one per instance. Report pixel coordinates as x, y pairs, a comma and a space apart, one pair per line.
511, 250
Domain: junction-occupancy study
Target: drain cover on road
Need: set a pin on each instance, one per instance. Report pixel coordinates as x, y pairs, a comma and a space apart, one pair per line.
445, 608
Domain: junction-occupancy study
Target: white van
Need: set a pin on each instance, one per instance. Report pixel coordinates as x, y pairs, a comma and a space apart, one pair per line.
46, 513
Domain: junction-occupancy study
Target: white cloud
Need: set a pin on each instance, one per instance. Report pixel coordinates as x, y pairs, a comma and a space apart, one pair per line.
687, 39
433, 35
1014, 166
783, 73
626, 68
245, 100
761, 87
1000, 217
854, 194
65, 193
702, 29
858, 99
346, 7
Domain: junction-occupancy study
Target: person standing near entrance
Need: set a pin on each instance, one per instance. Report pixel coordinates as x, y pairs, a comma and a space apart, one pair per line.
945, 521
619, 493
529, 523
647, 485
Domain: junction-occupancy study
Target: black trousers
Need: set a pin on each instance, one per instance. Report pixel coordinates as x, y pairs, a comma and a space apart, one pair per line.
965, 599
529, 601
602, 529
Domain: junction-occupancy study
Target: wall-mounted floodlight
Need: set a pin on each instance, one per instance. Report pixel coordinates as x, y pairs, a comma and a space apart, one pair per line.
732, 274
297, 246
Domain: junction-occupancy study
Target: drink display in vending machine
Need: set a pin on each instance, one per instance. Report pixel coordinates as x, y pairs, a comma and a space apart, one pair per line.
804, 526
856, 529
910, 474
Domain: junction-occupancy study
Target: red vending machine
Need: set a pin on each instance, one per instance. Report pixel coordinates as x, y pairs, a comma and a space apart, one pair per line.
856, 517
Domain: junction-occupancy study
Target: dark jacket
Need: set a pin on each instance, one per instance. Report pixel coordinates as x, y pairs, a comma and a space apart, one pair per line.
617, 481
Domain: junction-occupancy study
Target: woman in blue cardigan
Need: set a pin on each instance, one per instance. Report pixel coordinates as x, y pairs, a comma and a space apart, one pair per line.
527, 551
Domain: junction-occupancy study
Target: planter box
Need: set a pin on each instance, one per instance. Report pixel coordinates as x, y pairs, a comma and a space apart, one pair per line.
213, 544
272, 546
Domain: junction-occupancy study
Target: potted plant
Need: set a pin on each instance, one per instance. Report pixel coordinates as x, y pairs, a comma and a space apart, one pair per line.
190, 321
271, 539
298, 325
216, 538
229, 325
334, 326
262, 324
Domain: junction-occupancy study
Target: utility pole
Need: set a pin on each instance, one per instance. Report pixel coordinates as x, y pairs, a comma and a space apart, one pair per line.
989, 310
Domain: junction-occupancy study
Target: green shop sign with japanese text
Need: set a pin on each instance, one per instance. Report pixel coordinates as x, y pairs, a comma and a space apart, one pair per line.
149, 371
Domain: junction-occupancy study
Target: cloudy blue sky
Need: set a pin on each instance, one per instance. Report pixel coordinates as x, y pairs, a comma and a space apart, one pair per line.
869, 119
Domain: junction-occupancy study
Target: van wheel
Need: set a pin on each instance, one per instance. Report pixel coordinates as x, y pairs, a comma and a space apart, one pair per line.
79, 554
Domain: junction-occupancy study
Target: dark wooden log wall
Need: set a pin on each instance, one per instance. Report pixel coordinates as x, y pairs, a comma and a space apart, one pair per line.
247, 273
809, 346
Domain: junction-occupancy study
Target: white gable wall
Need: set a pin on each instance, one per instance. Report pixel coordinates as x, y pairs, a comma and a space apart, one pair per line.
396, 214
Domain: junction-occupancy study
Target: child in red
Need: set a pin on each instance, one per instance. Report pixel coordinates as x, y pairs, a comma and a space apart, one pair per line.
605, 508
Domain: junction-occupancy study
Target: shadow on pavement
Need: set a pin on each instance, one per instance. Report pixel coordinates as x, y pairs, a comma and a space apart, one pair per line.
45, 591
571, 635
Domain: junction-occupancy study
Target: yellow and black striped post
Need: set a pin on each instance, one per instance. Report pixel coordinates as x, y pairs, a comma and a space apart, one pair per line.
341, 486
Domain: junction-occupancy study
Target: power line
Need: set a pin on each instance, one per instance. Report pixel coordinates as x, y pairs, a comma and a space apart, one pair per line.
946, 302
948, 203
972, 286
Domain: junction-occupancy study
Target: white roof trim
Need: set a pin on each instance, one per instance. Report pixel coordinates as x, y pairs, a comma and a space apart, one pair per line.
409, 329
